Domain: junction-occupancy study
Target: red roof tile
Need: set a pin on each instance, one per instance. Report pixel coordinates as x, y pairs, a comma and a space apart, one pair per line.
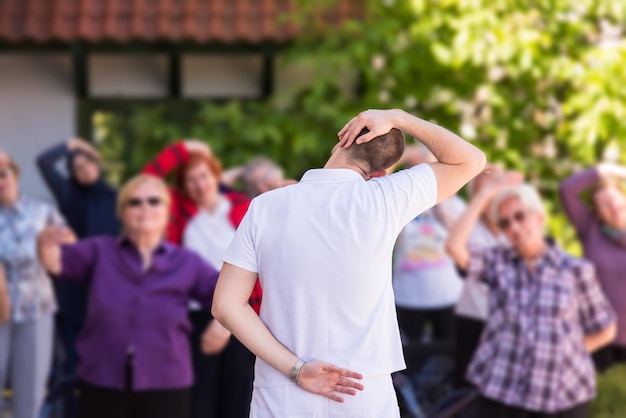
202, 21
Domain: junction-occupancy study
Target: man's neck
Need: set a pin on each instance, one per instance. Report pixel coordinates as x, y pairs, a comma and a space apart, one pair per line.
336, 161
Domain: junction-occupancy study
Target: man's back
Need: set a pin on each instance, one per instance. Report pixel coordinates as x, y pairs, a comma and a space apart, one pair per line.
323, 251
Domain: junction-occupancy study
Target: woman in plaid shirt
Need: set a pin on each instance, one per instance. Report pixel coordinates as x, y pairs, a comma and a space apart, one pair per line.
547, 312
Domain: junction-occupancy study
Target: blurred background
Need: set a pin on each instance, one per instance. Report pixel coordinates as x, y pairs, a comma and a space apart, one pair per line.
539, 85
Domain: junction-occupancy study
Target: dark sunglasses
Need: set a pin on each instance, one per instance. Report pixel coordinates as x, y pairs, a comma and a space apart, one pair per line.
505, 223
136, 202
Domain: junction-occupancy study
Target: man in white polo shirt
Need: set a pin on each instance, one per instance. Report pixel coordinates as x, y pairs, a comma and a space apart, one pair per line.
322, 249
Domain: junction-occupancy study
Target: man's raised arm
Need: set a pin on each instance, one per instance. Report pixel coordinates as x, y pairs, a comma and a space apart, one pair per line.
458, 161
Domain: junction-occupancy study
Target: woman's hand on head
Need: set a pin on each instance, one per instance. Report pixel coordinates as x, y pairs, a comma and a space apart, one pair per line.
76, 144
500, 180
197, 146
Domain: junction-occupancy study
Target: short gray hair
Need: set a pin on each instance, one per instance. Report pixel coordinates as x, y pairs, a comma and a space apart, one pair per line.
250, 170
525, 193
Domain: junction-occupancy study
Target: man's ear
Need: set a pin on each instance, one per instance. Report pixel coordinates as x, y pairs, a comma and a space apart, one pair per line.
379, 173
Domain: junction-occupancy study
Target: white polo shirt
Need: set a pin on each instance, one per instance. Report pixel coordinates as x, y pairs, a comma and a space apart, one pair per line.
323, 250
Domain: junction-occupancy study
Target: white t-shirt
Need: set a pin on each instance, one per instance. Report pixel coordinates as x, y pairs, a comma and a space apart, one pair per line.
323, 250
210, 234
424, 275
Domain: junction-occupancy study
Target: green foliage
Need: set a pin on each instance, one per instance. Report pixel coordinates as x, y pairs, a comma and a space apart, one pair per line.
611, 400
540, 86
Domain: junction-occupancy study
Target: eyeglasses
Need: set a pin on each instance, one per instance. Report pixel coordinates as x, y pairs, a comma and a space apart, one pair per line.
505, 223
136, 202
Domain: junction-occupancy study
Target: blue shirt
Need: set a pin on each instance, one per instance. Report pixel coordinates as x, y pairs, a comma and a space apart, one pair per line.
30, 288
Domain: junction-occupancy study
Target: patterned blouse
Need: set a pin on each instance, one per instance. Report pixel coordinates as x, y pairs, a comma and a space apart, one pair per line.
30, 288
531, 353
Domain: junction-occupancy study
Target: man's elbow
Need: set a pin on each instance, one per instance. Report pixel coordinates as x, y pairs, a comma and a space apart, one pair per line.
478, 163
217, 308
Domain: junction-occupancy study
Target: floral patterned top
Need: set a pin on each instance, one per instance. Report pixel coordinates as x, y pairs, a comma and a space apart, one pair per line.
30, 288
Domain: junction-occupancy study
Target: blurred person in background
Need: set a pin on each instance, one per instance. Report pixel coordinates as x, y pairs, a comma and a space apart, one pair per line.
472, 307
222, 370
546, 312
134, 349
262, 175
224, 367
26, 338
73, 173
167, 163
600, 223
425, 282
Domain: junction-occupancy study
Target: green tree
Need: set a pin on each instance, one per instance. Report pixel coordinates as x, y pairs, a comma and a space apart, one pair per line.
539, 85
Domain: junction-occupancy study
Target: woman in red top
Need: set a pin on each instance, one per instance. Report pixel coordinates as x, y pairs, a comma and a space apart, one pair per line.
204, 219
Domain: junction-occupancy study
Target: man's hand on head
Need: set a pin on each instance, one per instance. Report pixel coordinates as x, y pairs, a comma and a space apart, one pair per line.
377, 122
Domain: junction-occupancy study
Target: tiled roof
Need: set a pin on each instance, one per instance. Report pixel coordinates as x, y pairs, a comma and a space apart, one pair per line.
201, 21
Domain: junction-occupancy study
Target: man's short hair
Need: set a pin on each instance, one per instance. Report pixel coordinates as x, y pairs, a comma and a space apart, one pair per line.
380, 153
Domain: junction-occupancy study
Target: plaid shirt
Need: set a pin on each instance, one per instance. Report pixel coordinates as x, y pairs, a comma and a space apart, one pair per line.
531, 353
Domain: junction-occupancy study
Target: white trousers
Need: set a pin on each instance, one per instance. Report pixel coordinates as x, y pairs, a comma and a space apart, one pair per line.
25, 360
377, 400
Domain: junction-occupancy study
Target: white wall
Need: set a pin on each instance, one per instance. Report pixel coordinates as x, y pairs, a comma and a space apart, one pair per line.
37, 109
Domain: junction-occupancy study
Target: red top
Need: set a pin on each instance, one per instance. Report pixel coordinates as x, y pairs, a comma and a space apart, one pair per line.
183, 208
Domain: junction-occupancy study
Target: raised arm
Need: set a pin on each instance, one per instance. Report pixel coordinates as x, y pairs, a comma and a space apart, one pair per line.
570, 190
458, 161
174, 156
459, 233
47, 164
580, 213
231, 308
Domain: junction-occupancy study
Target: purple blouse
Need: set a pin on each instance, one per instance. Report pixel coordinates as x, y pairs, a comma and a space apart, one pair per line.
143, 312
608, 256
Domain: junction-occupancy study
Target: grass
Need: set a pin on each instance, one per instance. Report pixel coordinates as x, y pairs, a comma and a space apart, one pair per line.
611, 399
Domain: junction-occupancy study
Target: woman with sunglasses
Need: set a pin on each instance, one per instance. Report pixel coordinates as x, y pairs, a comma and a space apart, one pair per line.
26, 338
204, 217
595, 203
546, 311
87, 202
134, 349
